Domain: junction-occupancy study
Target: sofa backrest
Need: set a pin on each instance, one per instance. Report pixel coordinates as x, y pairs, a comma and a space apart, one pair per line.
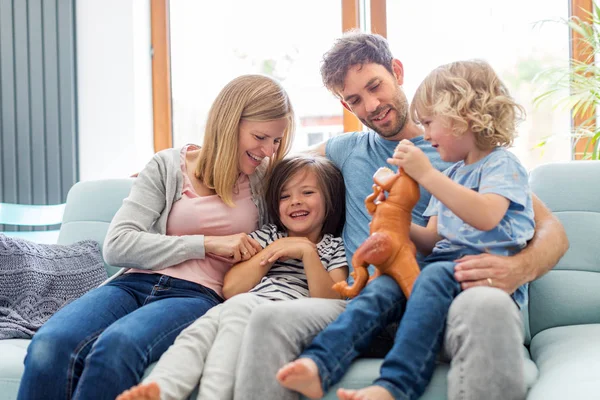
570, 293
90, 207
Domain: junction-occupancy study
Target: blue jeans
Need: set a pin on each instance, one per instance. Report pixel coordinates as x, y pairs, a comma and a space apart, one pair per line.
409, 365
100, 344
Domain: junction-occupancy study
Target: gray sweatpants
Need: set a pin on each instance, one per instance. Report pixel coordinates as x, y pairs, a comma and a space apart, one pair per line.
207, 349
484, 341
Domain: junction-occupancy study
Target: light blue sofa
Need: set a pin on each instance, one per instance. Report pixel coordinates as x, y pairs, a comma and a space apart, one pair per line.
562, 320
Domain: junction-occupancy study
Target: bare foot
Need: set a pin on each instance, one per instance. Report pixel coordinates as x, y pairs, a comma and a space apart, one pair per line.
144, 391
302, 376
368, 393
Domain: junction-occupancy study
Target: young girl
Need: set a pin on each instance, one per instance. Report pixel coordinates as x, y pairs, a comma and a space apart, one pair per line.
302, 256
481, 204
183, 225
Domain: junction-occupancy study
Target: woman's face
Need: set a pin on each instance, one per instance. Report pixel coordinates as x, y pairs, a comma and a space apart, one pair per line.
257, 140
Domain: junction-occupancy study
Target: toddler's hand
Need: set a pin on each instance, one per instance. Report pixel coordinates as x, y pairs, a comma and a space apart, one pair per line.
412, 159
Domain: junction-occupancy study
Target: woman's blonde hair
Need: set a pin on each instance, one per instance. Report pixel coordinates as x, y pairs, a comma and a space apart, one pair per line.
472, 96
250, 98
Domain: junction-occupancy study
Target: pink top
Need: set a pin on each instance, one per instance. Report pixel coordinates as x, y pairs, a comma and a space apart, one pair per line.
209, 216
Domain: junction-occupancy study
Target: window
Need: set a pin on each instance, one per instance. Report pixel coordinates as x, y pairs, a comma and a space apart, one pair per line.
507, 34
213, 42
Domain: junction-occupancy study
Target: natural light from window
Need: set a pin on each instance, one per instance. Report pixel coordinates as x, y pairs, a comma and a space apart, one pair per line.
213, 42
507, 34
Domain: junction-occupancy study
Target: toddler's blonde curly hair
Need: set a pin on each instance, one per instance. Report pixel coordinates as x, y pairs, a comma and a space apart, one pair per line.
472, 96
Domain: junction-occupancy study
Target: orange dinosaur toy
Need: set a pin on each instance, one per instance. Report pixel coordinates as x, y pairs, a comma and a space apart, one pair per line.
388, 246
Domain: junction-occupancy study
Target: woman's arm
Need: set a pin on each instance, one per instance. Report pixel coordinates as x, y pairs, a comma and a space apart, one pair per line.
423, 237
129, 242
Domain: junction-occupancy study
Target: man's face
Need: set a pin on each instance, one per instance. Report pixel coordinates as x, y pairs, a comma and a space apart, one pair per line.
375, 96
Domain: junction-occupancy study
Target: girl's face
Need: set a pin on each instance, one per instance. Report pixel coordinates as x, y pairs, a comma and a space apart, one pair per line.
452, 148
257, 140
302, 206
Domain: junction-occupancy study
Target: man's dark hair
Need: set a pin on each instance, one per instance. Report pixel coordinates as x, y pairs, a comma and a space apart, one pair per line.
353, 48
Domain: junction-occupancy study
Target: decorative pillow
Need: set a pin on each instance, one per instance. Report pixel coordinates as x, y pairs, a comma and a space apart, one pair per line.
38, 279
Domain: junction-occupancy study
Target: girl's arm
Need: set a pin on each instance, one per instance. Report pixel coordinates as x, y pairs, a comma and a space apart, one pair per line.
319, 280
425, 237
481, 211
245, 275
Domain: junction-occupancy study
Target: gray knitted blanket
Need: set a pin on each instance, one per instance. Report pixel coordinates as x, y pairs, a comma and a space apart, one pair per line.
38, 279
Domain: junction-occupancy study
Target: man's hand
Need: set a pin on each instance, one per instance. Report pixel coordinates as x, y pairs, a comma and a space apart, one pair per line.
490, 270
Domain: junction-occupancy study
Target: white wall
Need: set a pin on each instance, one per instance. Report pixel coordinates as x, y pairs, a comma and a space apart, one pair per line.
114, 87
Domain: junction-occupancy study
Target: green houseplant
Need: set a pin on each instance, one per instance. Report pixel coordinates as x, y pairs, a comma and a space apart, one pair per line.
577, 87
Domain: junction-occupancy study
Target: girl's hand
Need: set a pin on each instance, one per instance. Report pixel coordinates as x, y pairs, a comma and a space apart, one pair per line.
238, 247
412, 159
286, 248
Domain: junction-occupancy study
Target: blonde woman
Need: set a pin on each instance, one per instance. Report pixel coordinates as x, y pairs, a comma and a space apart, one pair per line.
183, 225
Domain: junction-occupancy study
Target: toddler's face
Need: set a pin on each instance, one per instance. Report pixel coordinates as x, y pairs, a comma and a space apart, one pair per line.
452, 147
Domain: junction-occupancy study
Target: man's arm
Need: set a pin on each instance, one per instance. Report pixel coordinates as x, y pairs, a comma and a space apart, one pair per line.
317, 149
542, 253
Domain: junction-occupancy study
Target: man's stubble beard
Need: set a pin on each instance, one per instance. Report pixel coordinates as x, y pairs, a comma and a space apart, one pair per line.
401, 108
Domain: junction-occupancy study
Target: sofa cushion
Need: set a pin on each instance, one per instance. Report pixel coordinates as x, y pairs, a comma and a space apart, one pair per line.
11, 366
90, 208
568, 358
568, 294
364, 371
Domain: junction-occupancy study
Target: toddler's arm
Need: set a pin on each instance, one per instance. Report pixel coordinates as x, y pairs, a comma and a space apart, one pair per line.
481, 211
425, 237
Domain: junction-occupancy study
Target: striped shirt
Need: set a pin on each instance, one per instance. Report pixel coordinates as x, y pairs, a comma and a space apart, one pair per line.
286, 280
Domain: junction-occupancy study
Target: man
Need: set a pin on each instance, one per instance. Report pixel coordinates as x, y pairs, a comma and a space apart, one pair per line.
483, 324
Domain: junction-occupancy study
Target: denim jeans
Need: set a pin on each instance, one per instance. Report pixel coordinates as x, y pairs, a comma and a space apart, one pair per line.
100, 344
408, 367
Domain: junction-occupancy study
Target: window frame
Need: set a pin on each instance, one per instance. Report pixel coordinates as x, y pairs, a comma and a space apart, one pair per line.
161, 62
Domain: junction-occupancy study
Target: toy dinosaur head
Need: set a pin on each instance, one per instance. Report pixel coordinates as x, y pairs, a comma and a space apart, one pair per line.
402, 190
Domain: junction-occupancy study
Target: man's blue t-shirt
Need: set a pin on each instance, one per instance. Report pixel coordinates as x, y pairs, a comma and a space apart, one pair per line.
359, 155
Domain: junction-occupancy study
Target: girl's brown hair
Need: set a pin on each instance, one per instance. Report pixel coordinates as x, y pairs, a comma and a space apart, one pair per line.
330, 181
251, 98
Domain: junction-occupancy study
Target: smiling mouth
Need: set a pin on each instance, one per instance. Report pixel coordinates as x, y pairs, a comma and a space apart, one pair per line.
299, 214
255, 158
382, 115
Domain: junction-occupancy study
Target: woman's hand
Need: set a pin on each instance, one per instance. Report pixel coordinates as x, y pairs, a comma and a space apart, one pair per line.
288, 247
238, 247
412, 159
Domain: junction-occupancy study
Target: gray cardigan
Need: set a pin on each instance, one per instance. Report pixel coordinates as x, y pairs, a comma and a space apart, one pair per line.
137, 237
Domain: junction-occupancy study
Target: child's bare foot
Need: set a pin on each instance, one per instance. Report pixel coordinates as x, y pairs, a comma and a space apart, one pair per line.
144, 391
302, 376
368, 393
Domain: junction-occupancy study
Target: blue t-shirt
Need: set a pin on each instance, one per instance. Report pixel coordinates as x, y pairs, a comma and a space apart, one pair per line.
359, 155
500, 172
